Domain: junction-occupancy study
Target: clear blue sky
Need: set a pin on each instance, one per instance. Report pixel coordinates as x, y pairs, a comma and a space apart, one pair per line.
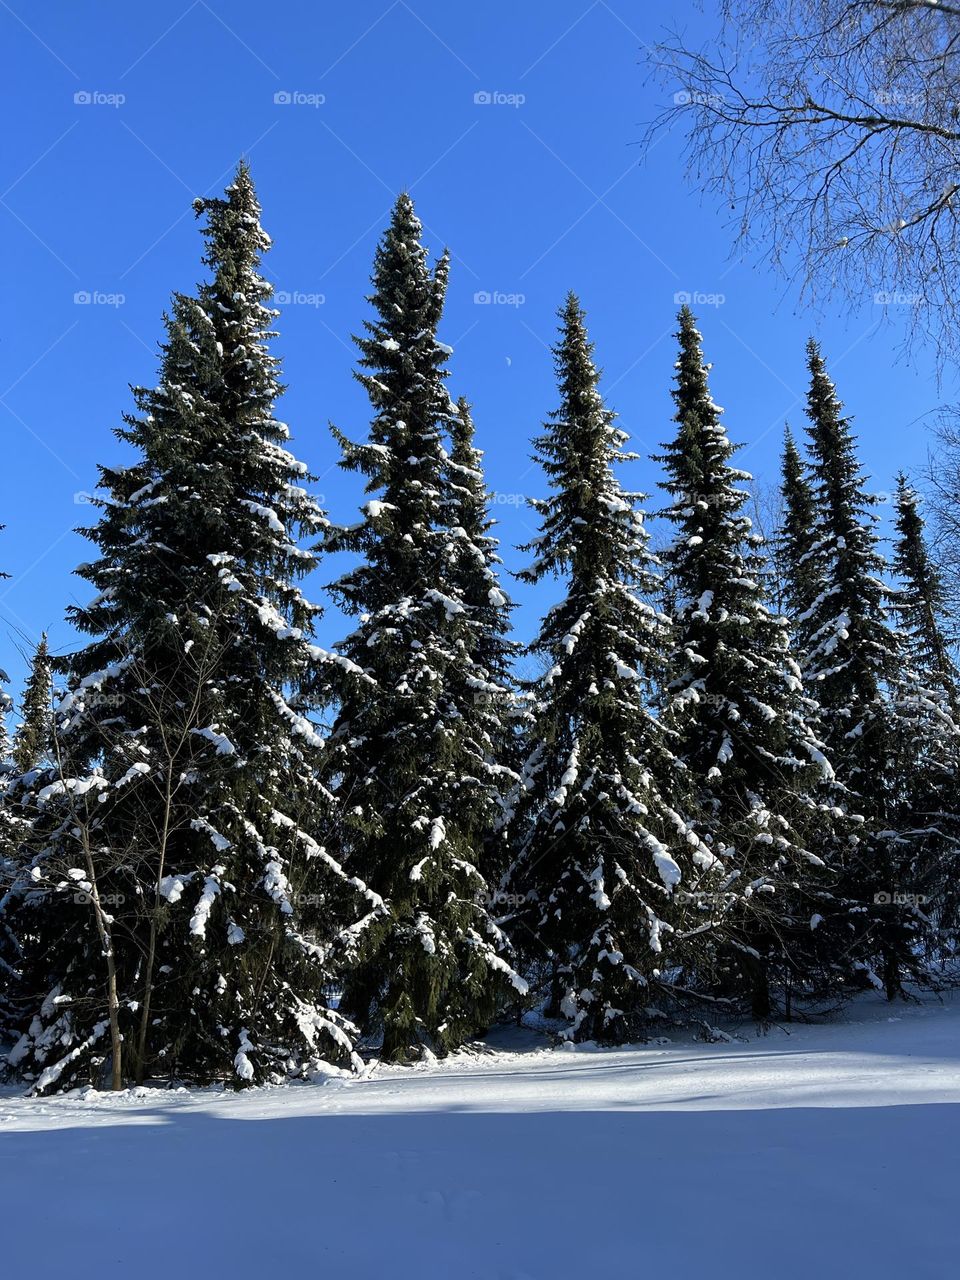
540, 190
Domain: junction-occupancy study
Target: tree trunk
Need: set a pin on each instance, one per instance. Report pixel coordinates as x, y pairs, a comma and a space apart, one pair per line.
140, 1063
891, 975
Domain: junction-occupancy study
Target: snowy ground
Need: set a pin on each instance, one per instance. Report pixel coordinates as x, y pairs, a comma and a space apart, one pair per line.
828, 1152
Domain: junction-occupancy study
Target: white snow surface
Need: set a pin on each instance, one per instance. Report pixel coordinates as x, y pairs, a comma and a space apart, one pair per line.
811, 1152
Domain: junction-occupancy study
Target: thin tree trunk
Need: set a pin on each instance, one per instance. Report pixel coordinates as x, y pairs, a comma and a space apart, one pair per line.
141, 1052
106, 942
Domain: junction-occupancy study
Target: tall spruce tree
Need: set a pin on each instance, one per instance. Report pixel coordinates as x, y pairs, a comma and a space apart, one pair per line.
11, 832
852, 651
920, 607
872, 720
6, 705
921, 601
478, 562
496, 713
736, 704
603, 852
419, 785
796, 543
178, 905
32, 739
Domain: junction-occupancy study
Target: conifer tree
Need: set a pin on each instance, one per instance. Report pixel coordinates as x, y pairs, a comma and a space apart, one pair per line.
11, 831
478, 561
32, 741
603, 852
6, 704
496, 712
855, 668
852, 649
419, 788
920, 607
921, 603
796, 544
162, 912
735, 700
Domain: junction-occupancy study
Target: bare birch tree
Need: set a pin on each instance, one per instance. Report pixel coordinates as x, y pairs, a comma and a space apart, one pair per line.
830, 129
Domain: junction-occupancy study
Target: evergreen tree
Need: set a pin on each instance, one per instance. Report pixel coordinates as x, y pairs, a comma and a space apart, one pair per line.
495, 712
32, 742
6, 704
921, 603
735, 700
176, 903
796, 544
478, 562
603, 852
869, 709
419, 787
852, 650
920, 606
11, 831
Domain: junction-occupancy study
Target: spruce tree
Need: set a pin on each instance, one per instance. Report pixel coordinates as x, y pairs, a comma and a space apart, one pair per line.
6, 706
178, 902
478, 562
419, 787
735, 702
852, 651
795, 546
603, 854
856, 669
494, 710
920, 607
921, 602
11, 833
32, 740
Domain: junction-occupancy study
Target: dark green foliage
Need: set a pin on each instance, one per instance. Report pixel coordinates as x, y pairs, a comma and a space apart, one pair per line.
493, 710
934, 718
921, 601
736, 706
605, 861
182, 791
32, 741
872, 707
796, 544
414, 754
732, 773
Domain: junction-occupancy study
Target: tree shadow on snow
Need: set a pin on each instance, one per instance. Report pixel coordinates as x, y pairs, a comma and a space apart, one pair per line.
466, 1195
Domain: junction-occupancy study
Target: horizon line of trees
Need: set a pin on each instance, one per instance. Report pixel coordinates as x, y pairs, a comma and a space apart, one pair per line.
229, 853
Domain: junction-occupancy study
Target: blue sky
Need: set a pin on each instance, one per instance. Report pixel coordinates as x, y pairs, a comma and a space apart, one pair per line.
516, 127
